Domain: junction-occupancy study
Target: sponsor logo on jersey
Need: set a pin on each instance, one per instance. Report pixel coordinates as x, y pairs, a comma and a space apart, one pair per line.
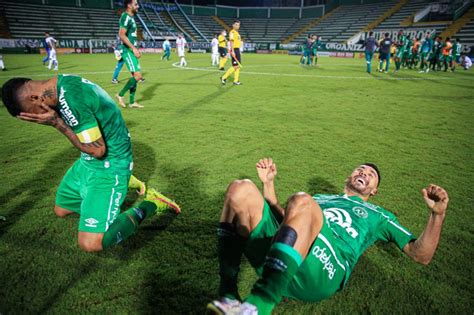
91, 222
116, 206
65, 111
360, 212
325, 259
342, 218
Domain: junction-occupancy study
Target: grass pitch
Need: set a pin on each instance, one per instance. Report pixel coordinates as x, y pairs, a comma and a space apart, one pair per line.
194, 136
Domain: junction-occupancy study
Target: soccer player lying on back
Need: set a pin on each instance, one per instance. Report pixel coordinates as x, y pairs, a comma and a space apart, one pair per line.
95, 186
308, 250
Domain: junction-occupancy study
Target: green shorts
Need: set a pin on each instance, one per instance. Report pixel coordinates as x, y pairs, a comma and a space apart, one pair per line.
130, 60
322, 273
95, 195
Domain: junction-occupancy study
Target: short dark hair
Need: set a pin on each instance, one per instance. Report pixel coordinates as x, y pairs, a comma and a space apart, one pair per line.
376, 170
371, 33
127, 2
235, 21
10, 95
387, 34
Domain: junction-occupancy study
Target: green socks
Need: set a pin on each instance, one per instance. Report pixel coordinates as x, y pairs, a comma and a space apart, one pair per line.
280, 266
230, 247
127, 224
130, 83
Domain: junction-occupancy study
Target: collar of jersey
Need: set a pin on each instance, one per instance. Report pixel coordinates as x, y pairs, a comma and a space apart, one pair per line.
354, 198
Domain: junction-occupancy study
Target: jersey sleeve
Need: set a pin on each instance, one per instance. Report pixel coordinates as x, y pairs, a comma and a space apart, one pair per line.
85, 124
391, 230
124, 21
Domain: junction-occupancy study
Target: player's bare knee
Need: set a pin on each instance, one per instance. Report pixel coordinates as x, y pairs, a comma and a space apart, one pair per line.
300, 200
239, 190
137, 76
60, 212
90, 245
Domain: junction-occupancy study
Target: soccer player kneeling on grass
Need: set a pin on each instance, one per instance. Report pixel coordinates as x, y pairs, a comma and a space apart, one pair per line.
95, 186
235, 45
308, 250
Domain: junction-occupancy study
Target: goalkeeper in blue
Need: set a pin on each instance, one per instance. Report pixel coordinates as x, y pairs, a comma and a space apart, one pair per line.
308, 249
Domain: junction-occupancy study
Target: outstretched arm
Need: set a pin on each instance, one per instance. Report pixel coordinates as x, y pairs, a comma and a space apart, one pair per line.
423, 249
267, 171
50, 117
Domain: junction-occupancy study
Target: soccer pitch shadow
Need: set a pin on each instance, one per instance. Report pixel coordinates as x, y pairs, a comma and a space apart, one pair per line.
35, 187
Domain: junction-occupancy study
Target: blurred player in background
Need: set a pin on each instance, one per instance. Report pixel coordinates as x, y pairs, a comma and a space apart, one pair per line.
307, 47
436, 54
415, 54
2, 65
129, 52
95, 186
166, 50
181, 45
314, 50
425, 52
215, 51
118, 67
456, 53
222, 49
235, 44
370, 45
385, 46
401, 42
46, 48
447, 58
465, 61
53, 61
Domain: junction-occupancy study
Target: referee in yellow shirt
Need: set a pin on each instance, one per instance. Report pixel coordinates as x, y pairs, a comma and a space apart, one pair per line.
235, 44
222, 49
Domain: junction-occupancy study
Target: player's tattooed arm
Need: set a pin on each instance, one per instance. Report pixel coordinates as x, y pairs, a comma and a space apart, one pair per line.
96, 148
51, 118
423, 249
267, 171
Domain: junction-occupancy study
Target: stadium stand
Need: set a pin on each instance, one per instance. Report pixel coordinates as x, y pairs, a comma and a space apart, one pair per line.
347, 21
257, 30
404, 18
463, 29
31, 21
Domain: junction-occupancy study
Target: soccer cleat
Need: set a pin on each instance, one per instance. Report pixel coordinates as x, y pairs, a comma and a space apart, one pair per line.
237, 83
227, 306
222, 69
120, 100
142, 80
162, 202
136, 105
115, 81
223, 81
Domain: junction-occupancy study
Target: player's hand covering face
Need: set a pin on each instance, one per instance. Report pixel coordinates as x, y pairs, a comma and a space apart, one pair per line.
363, 180
44, 116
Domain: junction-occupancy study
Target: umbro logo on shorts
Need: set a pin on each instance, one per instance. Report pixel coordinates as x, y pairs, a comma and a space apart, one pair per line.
91, 222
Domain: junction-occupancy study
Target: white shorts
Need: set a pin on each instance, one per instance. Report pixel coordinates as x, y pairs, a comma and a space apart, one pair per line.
52, 54
180, 52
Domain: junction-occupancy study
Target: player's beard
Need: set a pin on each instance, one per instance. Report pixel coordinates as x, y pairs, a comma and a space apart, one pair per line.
355, 188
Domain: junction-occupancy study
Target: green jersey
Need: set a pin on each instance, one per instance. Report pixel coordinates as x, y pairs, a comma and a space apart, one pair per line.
358, 224
91, 113
456, 51
128, 23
